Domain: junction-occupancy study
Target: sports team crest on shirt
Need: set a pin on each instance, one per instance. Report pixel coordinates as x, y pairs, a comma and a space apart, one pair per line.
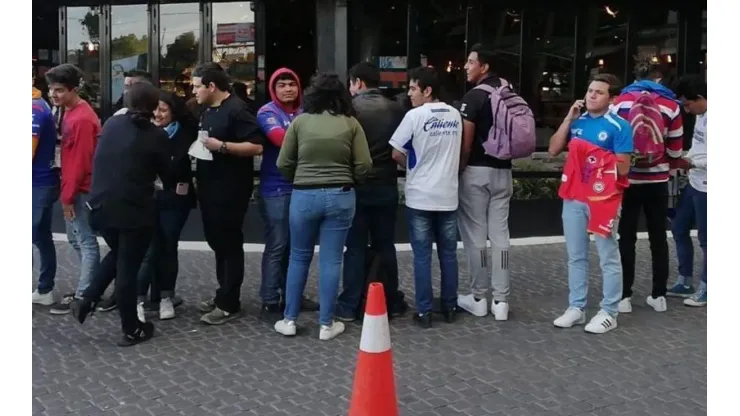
591, 159
598, 187
272, 120
603, 135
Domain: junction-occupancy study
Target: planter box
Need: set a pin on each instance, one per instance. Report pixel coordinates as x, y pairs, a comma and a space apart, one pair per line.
527, 218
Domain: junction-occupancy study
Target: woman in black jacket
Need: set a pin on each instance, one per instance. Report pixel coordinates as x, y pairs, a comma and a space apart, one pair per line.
175, 197
130, 154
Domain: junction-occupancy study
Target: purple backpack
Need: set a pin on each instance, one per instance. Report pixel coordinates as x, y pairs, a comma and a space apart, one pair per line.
512, 135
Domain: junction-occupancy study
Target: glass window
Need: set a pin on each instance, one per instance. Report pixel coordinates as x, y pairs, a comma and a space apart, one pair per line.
657, 39
129, 45
179, 31
606, 41
552, 65
703, 61
83, 47
501, 31
442, 32
233, 41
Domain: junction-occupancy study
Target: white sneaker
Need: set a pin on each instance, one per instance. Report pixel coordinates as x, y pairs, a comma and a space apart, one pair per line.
140, 312
573, 316
47, 299
166, 309
625, 305
285, 327
500, 311
601, 323
659, 303
474, 307
328, 332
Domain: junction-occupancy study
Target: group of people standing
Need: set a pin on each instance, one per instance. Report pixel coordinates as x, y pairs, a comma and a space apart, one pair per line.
330, 156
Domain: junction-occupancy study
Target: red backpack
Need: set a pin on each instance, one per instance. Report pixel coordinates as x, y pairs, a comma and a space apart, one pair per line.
648, 127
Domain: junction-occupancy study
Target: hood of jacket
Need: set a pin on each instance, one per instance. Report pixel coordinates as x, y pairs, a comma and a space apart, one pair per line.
651, 86
271, 88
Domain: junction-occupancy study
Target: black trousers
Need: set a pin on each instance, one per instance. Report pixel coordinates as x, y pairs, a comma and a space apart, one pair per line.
651, 198
222, 227
127, 250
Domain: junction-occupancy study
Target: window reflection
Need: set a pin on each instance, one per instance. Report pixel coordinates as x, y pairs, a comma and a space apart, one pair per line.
552, 65
657, 39
442, 37
129, 44
179, 34
83, 47
606, 41
233, 42
503, 35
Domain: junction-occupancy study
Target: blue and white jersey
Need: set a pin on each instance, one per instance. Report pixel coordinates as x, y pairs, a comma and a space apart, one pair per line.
431, 136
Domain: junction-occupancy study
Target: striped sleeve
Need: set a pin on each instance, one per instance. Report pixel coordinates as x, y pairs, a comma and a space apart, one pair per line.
674, 138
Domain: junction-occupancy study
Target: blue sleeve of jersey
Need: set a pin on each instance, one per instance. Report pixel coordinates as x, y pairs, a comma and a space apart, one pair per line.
268, 121
37, 121
623, 142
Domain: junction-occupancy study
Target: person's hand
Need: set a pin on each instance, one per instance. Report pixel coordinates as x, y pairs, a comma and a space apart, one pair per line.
69, 212
682, 163
576, 109
212, 144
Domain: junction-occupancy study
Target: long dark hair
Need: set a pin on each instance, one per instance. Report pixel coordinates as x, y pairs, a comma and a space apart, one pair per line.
177, 107
327, 93
141, 100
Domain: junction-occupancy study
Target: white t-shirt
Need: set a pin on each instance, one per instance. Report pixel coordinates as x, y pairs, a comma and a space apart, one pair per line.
430, 136
698, 155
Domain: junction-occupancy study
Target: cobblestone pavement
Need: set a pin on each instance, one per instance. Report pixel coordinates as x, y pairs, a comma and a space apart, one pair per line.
653, 364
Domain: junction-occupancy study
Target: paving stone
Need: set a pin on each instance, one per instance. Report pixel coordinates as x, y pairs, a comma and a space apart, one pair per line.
653, 364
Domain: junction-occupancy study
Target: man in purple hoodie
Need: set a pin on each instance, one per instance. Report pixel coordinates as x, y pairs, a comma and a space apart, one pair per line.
274, 191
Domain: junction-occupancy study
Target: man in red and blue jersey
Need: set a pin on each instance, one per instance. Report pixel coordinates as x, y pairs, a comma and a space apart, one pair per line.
274, 190
45, 192
602, 128
648, 189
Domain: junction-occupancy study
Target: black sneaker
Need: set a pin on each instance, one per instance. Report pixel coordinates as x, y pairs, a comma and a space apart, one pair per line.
343, 316
271, 313
81, 308
108, 304
307, 305
62, 307
449, 315
398, 308
144, 332
423, 320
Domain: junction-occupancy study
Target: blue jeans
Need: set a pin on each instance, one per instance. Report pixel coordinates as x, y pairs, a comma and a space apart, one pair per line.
275, 212
577, 242
374, 222
425, 228
84, 241
327, 214
692, 208
43, 199
160, 266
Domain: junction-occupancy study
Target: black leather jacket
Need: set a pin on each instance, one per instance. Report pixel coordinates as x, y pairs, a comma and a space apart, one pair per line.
379, 118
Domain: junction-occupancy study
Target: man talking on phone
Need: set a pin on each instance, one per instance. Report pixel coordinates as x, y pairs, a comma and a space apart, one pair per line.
608, 135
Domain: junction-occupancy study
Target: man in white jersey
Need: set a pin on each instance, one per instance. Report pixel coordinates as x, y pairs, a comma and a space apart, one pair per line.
427, 143
692, 207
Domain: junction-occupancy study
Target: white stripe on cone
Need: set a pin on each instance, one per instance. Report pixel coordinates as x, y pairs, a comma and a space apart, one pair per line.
376, 335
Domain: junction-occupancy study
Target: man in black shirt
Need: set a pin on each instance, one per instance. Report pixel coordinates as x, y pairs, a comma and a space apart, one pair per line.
486, 187
224, 185
377, 199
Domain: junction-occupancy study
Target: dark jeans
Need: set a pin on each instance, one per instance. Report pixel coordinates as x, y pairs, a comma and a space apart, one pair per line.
223, 219
127, 250
651, 198
692, 209
275, 212
426, 228
374, 223
160, 266
42, 202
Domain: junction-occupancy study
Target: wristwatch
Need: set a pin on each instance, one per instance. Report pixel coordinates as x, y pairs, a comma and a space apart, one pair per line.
222, 149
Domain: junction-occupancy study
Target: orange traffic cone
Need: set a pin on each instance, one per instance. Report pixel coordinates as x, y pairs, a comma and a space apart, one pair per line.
374, 390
